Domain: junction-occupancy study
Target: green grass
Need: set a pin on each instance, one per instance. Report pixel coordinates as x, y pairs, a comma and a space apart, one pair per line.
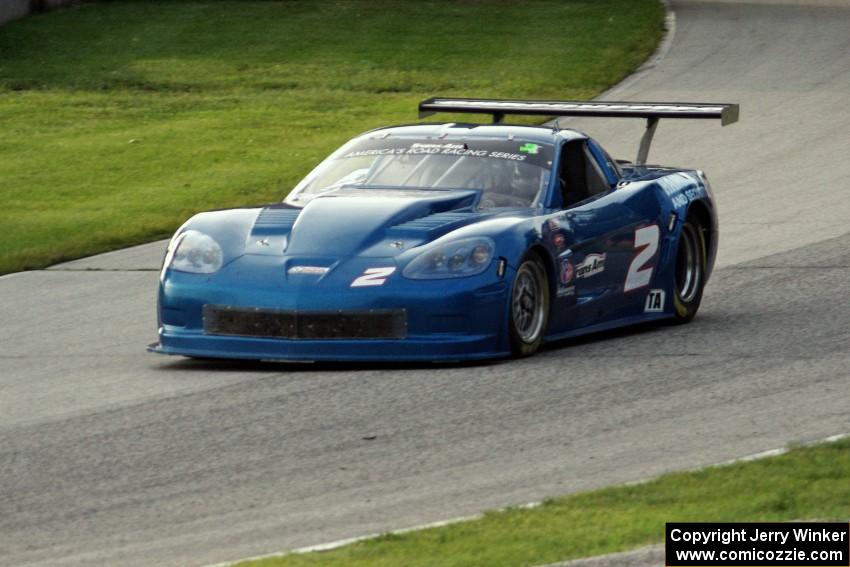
121, 119
806, 483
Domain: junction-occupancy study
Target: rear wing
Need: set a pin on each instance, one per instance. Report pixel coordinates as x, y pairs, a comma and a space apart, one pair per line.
651, 111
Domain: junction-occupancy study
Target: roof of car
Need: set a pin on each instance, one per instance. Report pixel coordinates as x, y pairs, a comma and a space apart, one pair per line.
458, 130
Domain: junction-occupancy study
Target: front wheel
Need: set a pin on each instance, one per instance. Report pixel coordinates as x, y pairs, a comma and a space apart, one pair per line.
690, 270
529, 309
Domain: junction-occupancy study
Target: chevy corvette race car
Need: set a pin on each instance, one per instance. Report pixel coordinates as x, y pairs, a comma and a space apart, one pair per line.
448, 241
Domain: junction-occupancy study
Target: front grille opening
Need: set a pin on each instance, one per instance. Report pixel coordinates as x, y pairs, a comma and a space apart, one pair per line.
268, 323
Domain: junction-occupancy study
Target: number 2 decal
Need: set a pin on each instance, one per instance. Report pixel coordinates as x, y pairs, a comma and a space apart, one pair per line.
373, 276
639, 274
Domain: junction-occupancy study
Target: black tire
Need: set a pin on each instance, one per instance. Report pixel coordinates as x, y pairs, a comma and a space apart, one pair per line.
689, 277
528, 310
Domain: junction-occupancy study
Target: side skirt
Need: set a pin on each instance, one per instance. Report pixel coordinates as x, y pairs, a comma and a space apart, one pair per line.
608, 325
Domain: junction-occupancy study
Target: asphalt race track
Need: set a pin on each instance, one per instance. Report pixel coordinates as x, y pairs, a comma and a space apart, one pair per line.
110, 455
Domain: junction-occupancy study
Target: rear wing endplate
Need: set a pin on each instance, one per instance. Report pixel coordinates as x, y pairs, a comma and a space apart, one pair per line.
651, 111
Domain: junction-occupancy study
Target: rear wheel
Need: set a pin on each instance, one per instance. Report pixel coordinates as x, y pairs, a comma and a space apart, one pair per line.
690, 270
529, 309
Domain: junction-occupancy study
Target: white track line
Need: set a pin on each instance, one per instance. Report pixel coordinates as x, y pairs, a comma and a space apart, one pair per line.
343, 542
347, 541
777, 452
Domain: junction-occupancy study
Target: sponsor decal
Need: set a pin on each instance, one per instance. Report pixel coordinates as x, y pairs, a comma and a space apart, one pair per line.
308, 270
591, 265
437, 149
373, 277
567, 272
377, 152
553, 227
558, 240
557, 237
447, 145
566, 276
654, 301
566, 291
507, 155
529, 148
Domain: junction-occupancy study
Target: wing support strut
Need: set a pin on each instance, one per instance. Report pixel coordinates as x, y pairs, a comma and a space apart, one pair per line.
646, 140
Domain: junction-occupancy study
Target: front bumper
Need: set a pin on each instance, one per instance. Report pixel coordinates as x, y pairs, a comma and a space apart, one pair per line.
448, 348
453, 319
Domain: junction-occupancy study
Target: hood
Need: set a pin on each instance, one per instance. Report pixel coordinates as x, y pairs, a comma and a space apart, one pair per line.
368, 222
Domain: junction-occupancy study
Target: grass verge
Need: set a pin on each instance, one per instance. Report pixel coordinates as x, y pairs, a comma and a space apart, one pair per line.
810, 482
123, 118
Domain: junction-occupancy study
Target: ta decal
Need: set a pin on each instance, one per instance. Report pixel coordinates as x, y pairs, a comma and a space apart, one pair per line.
654, 301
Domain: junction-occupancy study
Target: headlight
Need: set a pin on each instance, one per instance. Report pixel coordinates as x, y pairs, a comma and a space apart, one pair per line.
466, 257
197, 253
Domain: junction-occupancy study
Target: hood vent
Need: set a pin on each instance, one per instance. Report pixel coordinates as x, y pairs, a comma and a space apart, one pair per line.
432, 225
275, 221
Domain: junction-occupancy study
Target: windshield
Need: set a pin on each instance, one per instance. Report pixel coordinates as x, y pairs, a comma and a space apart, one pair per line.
511, 173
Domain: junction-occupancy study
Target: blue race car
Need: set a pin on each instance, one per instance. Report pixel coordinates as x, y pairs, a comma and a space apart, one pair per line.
448, 241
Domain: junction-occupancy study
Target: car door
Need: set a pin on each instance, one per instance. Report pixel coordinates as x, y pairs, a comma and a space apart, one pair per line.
615, 243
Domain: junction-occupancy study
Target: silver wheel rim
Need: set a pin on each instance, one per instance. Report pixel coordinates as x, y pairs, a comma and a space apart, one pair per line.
688, 268
527, 304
